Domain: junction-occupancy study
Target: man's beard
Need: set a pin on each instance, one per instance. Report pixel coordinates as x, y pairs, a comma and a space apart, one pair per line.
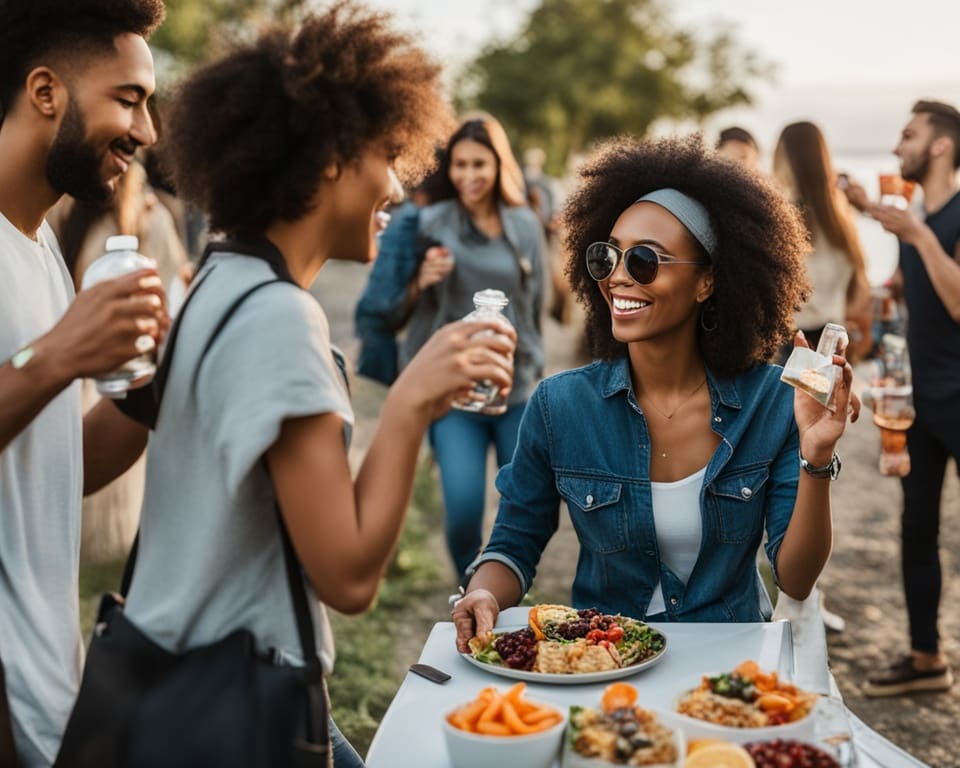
918, 172
73, 166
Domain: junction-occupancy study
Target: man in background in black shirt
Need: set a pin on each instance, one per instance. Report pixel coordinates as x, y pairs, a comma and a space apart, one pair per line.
929, 152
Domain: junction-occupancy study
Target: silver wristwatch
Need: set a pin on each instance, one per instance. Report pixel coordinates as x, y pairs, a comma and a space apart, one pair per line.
831, 470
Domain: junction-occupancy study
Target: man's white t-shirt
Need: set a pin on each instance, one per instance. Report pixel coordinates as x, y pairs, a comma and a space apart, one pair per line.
41, 488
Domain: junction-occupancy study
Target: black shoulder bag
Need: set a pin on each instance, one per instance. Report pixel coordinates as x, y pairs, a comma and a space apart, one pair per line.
223, 705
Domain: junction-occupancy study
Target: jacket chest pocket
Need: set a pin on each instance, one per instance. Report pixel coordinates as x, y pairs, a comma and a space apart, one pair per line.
737, 499
596, 512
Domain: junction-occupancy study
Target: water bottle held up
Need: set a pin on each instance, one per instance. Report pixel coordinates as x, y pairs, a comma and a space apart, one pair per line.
122, 258
485, 397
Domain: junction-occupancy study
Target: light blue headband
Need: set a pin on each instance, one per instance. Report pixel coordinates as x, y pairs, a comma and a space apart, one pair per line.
690, 213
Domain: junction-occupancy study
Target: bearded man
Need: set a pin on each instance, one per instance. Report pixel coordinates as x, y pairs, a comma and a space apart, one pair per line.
929, 271
75, 76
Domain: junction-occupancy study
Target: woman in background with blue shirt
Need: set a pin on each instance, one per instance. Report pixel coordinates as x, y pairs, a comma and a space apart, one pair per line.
680, 444
483, 235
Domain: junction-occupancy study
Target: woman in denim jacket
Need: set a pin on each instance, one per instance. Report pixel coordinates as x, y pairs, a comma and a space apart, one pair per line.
680, 444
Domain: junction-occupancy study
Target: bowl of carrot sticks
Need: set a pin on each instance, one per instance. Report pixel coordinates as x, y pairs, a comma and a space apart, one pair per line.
504, 728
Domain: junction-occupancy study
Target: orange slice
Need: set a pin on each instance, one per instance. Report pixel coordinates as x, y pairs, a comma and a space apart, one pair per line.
720, 756
534, 622
618, 696
694, 744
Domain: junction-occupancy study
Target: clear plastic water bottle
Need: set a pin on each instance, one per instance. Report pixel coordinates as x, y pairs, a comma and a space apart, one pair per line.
486, 398
121, 258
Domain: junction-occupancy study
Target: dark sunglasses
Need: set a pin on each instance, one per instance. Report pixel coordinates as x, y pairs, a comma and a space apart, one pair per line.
641, 261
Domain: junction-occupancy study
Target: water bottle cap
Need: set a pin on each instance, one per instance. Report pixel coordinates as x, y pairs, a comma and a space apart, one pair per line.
123, 243
490, 297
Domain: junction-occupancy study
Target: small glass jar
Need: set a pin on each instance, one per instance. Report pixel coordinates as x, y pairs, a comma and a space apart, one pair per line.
813, 371
486, 398
122, 258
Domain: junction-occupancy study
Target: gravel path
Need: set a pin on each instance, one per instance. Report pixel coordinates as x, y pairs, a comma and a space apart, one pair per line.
861, 582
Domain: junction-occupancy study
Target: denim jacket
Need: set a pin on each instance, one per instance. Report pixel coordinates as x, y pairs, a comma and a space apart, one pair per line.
583, 440
379, 313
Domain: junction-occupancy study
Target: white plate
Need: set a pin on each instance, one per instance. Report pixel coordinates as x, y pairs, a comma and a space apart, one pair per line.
554, 678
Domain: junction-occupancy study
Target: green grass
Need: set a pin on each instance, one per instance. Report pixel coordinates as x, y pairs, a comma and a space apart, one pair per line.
367, 674
95, 579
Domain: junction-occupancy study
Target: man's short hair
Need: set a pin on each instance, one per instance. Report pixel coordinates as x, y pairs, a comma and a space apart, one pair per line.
736, 133
945, 120
31, 30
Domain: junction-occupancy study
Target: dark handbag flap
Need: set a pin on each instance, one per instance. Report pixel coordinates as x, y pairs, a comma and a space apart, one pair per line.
215, 706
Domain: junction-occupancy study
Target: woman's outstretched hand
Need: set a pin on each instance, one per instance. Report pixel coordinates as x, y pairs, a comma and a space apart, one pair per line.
819, 427
474, 614
457, 356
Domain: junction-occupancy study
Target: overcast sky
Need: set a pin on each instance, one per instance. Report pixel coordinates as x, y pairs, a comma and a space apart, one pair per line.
854, 66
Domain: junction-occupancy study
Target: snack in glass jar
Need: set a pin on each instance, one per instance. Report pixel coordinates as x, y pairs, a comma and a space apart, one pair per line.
813, 371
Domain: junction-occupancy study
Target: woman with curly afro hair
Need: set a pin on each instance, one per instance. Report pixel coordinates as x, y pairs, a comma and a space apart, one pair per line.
288, 144
679, 445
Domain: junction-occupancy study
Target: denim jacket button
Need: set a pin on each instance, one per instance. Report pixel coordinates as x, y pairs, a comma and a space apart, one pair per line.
717, 419
673, 601
589, 500
746, 493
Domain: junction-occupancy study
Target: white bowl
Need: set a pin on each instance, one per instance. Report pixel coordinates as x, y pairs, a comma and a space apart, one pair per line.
573, 760
694, 728
477, 750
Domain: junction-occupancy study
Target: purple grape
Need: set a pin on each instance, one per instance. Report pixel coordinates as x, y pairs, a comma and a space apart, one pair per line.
517, 649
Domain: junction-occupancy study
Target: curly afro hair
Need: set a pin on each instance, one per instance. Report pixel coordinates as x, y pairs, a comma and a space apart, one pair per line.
759, 272
249, 135
32, 30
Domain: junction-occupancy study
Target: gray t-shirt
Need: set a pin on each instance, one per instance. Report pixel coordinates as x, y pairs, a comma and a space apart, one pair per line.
210, 558
41, 487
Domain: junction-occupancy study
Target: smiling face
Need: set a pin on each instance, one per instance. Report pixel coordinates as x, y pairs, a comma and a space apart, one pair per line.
105, 121
361, 190
669, 306
473, 172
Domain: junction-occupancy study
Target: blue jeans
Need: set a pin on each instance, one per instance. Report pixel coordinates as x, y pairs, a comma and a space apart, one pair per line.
344, 755
460, 441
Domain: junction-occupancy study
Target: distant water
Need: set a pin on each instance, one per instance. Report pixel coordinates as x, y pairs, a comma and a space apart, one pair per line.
879, 247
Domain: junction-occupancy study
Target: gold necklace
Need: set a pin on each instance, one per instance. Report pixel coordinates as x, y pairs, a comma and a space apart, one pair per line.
673, 413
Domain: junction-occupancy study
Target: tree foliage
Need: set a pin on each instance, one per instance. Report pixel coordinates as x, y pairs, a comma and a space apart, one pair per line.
193, 28
581, 70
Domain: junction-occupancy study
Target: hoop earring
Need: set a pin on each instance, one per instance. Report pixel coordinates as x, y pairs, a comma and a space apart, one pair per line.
708, 316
